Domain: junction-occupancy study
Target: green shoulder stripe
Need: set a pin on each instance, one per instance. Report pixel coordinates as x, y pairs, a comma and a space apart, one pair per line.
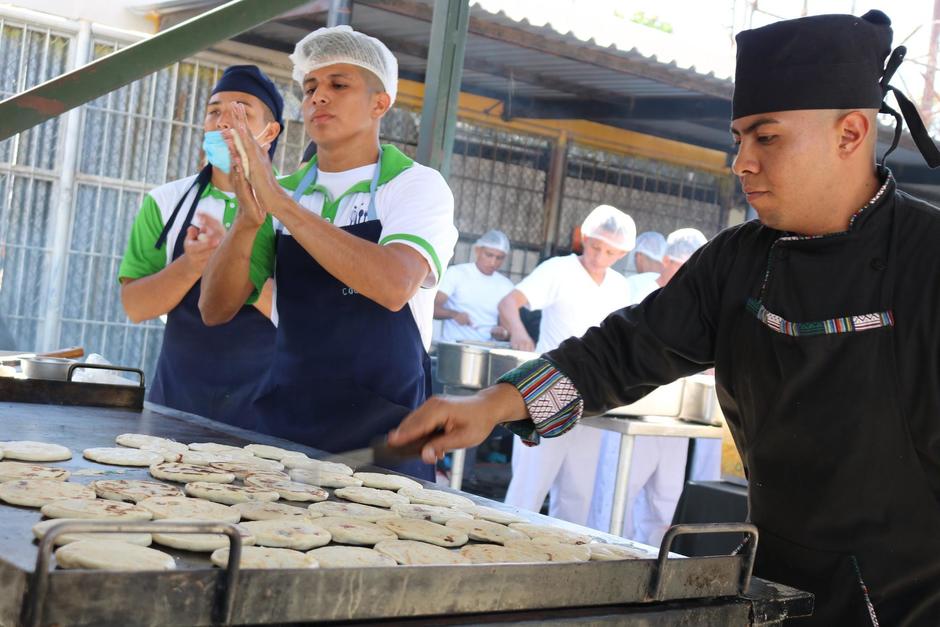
414, 239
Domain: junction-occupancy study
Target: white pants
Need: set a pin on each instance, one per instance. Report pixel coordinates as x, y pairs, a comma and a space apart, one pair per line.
564, 466
706, 462
657, 473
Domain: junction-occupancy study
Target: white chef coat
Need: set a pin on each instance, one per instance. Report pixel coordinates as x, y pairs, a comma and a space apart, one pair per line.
476, 294
571, 303
570, 300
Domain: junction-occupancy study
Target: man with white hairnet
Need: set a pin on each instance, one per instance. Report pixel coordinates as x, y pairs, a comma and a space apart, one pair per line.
657, 468
362, 236
574, 292
469, 294
648, 261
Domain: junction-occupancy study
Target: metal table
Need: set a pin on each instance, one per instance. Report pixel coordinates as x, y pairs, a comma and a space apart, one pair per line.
688, 590
629, 428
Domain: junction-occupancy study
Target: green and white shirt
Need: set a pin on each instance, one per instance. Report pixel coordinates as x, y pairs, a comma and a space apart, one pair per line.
142, 259
413, 203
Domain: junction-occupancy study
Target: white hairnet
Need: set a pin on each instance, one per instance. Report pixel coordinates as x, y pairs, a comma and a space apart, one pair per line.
341, 44
494, 239
651, 244
610, 225
682, 243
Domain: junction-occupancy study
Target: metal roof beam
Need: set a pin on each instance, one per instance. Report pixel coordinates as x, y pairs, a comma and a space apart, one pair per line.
442, 85
581, 53
56, 96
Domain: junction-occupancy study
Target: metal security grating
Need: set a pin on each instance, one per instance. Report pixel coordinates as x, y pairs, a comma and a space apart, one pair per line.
28, 56
657, 195
156, 125
498, 180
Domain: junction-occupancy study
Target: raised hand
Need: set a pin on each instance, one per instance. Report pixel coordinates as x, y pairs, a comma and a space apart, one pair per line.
199, 244
250, 160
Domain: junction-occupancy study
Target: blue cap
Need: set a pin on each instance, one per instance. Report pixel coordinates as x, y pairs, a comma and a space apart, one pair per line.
251, 80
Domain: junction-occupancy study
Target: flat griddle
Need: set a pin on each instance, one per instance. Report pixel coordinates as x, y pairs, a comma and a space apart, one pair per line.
194, 594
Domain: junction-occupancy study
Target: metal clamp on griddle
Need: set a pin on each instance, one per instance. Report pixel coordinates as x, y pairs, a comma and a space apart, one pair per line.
750, 550
39, 581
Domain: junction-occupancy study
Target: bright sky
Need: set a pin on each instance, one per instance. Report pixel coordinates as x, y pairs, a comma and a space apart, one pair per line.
702, 30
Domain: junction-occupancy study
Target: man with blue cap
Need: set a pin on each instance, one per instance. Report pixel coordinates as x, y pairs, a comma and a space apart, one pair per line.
363, 235
820, 320
207, 371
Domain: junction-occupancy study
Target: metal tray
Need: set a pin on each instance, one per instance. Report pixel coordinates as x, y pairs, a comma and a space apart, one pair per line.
68, 392
689, 398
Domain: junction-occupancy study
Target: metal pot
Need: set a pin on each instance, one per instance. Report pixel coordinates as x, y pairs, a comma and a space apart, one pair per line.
462, 365
54, 368
502, 360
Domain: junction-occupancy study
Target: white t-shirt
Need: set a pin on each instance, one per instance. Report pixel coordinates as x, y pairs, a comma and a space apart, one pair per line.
641, 285
416, 209
476, 294
570, 300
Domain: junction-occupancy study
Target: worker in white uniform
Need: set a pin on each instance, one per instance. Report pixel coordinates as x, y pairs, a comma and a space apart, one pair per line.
648, 261
468, 296
657, 468
574, 292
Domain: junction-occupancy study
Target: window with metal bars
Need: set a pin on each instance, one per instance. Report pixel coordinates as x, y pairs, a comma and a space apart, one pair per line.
150, 132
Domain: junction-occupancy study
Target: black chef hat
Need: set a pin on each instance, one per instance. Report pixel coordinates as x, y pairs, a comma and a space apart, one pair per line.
251, 80
824, 62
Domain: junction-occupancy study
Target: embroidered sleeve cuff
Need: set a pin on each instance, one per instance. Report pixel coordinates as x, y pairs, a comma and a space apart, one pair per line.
551, 398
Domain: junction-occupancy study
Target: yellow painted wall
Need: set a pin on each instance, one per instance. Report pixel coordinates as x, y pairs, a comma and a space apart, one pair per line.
487, 111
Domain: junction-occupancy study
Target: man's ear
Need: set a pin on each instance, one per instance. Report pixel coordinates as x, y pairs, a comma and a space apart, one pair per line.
854, 129
271, 131
381, 104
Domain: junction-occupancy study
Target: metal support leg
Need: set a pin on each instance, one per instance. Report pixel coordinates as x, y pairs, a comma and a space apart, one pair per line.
456, 469
442, 84
619, 505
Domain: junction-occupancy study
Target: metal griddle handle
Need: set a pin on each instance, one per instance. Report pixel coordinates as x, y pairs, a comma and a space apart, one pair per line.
84, 366
39, 580
750, 550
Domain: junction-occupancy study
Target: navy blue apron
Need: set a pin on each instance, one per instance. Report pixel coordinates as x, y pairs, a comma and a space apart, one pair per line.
345, 369
211, 371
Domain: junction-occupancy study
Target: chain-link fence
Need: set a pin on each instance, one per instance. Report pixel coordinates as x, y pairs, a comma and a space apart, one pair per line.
657, 195
150, 132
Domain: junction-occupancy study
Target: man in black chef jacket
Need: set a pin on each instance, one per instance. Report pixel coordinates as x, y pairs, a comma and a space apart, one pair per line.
821, 321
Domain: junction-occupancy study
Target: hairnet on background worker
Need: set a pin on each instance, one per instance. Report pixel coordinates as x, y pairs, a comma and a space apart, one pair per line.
610, 225
494, 239
682, 243
652, 244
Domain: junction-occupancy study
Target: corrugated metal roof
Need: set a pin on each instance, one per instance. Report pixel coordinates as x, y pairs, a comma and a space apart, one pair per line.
514, 58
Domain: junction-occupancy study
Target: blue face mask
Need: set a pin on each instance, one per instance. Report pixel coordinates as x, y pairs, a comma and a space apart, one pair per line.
217, 151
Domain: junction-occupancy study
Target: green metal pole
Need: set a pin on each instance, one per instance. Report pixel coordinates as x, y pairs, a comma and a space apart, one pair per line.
56, 96
442, 83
